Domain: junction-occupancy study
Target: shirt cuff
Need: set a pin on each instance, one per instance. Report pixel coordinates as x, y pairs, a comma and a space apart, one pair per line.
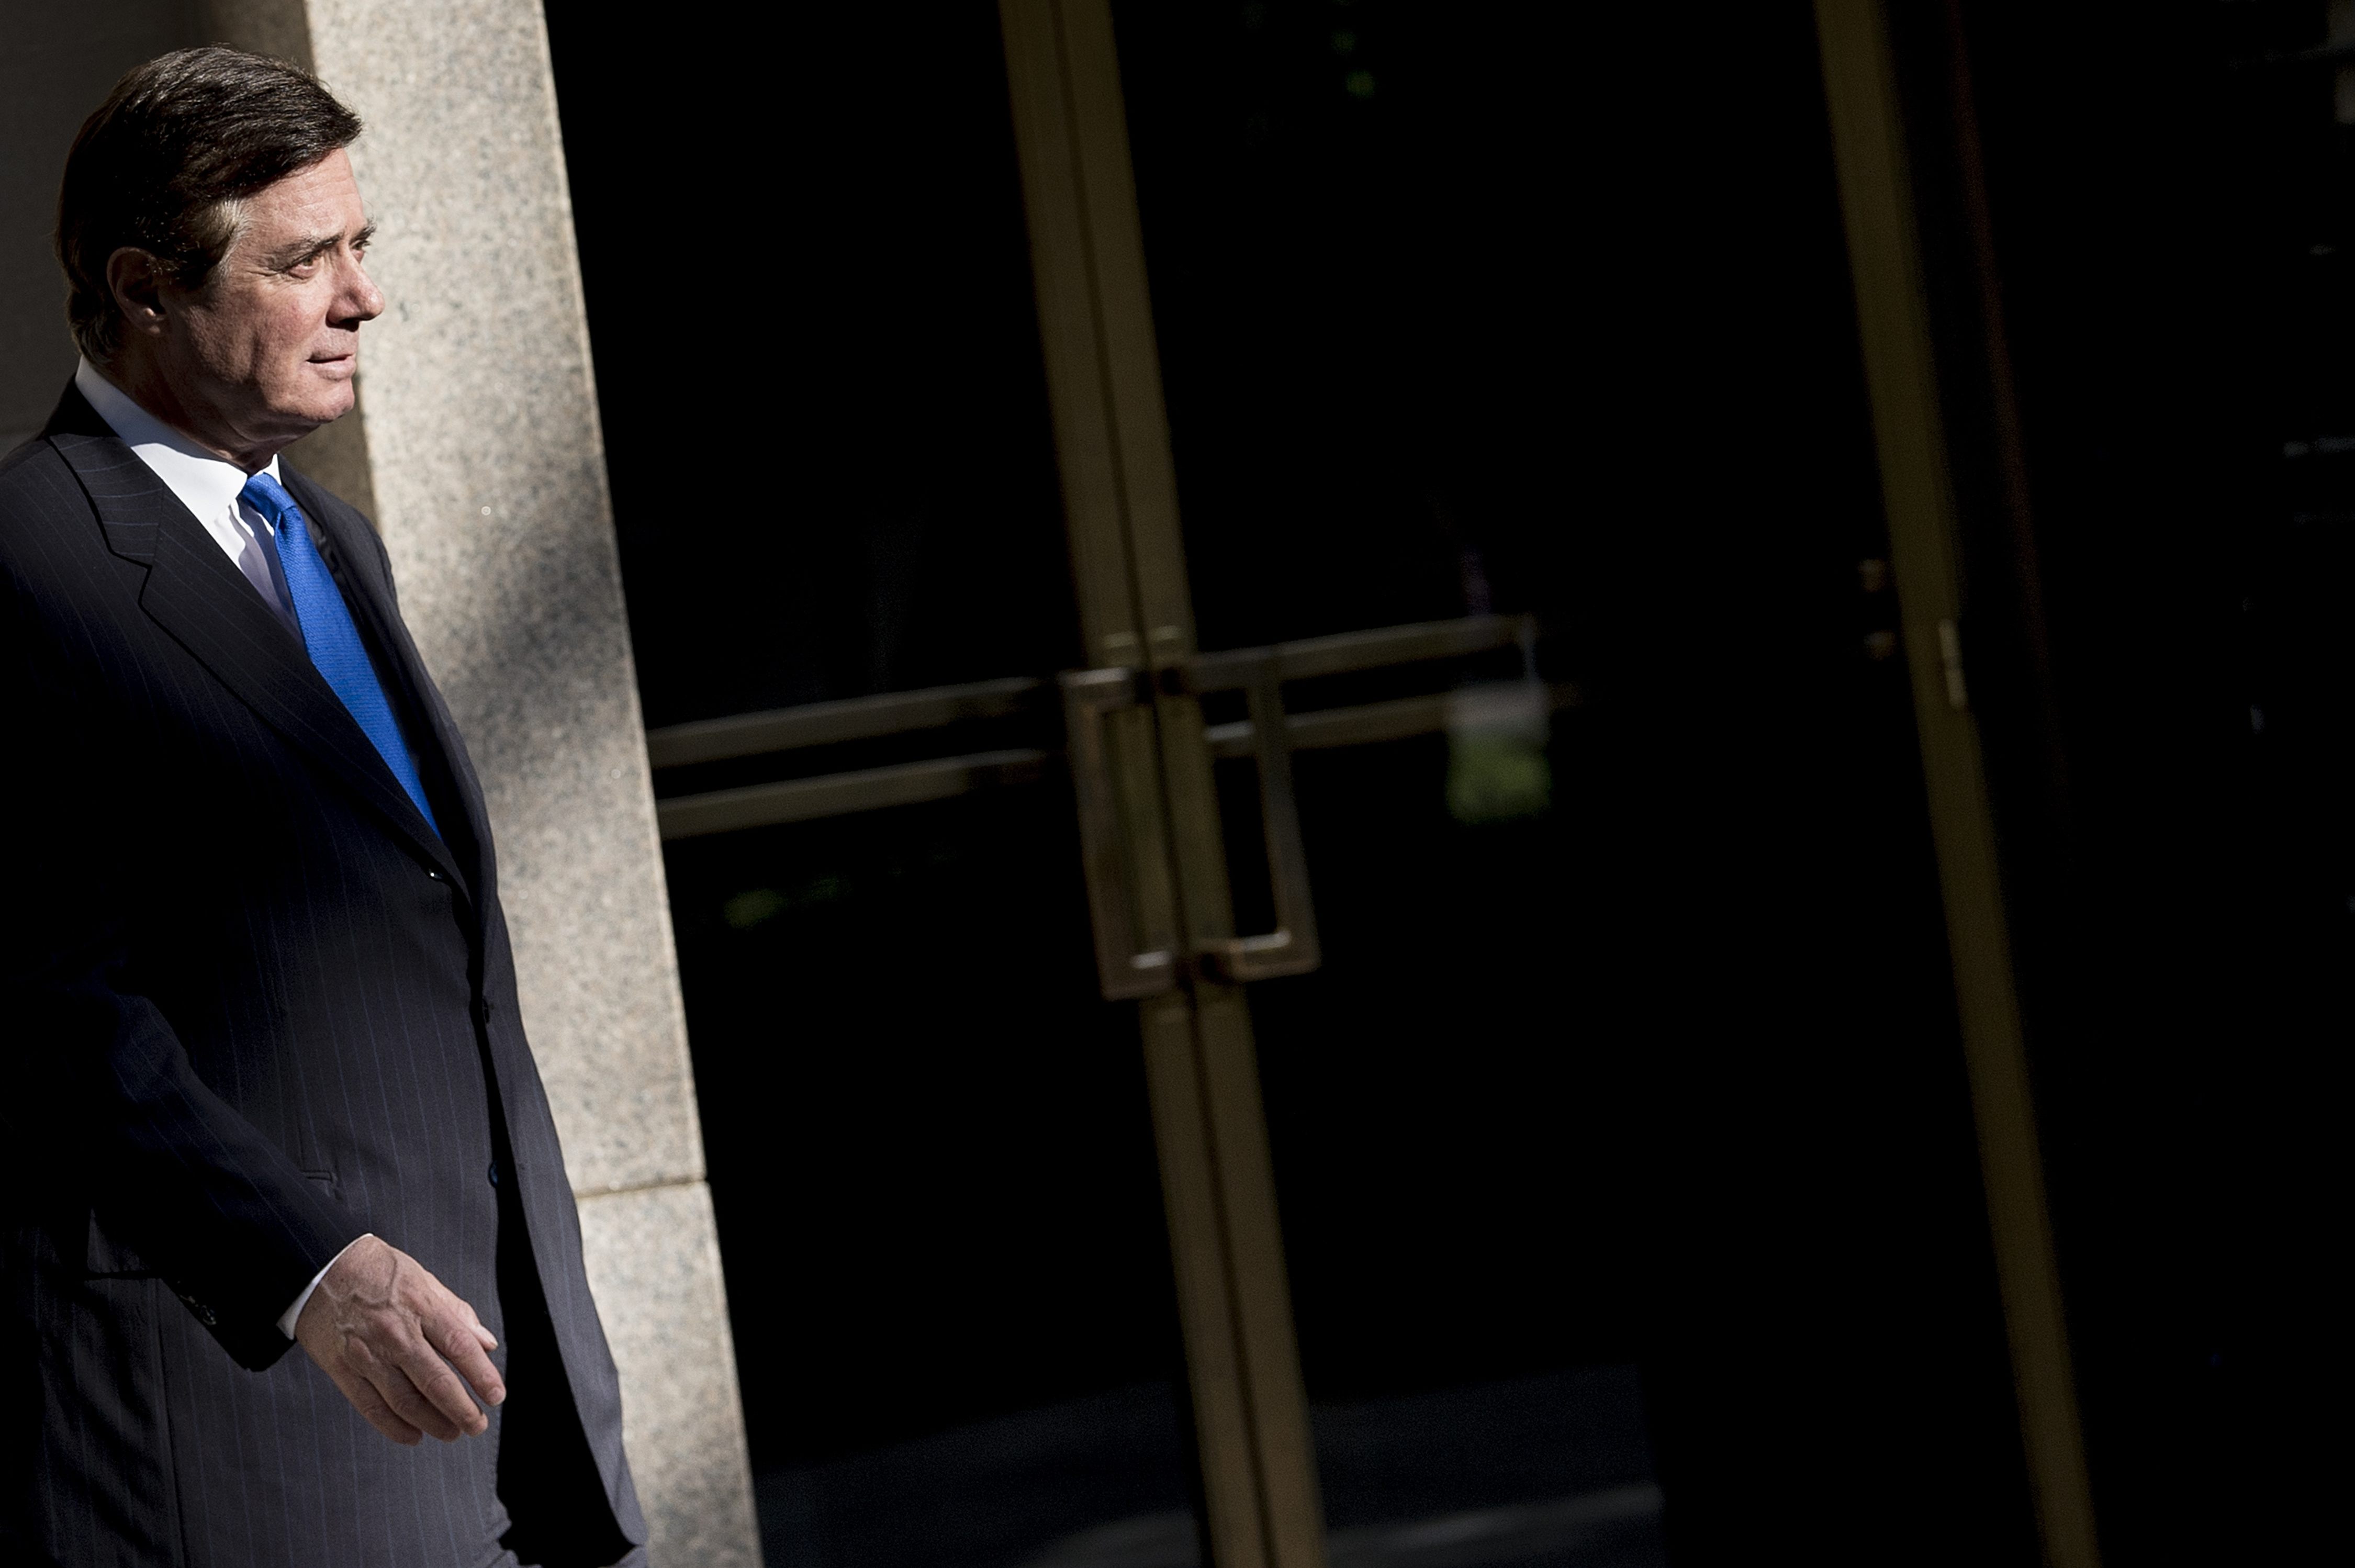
292, 1315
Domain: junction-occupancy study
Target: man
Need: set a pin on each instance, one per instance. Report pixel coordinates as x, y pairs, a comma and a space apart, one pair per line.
266, 1082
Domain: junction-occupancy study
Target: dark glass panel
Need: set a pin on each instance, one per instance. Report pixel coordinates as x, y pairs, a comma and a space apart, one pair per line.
932, 1167
2171, 204
809, 295
1629, 1093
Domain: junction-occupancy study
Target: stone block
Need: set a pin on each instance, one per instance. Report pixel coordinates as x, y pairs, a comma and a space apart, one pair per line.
657, 1251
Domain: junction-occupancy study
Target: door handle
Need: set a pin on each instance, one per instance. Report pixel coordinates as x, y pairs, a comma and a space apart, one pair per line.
1125, 969
1292, 947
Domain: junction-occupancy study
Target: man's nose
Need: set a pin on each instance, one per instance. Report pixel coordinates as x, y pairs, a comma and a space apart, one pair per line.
362, 300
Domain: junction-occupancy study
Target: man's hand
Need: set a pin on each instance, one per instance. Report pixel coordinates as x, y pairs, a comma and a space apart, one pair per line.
381, 1326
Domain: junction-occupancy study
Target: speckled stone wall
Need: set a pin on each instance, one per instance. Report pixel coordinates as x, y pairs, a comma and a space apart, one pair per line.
481, 443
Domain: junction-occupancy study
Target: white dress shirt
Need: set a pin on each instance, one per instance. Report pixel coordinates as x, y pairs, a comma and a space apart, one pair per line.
209, 486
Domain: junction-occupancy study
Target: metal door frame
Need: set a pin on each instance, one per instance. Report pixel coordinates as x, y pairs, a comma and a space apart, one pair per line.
1892, 309
1120, 501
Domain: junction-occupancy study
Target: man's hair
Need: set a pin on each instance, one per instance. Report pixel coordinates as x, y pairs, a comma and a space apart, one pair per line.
165, 164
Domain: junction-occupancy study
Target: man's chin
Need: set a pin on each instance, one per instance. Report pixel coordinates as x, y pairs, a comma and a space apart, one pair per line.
291, 420
323, 401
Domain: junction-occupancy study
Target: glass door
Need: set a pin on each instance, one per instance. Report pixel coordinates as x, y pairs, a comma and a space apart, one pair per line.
1304, 903
1499, 786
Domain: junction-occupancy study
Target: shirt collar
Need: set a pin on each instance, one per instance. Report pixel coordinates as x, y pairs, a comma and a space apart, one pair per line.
206, 484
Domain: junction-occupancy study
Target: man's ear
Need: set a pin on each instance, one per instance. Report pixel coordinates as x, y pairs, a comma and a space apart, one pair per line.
136, 283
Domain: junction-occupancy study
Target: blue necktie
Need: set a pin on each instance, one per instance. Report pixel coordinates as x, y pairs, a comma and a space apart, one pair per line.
327, 630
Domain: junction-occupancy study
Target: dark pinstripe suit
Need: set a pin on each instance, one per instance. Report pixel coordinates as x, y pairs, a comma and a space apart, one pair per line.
252, 1006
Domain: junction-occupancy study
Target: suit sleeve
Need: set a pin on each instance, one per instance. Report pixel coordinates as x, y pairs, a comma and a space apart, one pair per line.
104, 1106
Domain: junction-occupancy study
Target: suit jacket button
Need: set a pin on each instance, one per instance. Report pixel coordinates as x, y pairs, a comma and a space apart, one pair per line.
435, 873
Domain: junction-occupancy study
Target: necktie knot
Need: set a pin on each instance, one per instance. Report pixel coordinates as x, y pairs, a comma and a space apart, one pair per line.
268, 497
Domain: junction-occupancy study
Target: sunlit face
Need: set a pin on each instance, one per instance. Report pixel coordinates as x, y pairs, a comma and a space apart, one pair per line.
264, 350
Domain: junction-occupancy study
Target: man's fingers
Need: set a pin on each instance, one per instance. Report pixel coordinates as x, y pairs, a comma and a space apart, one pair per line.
378, 1414
441, 1388
464, 1340
413, 1404
372, 1407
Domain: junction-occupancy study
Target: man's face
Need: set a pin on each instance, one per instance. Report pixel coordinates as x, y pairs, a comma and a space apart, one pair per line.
269, 343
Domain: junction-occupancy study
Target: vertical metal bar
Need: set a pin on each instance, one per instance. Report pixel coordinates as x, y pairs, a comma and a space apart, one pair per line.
1125, 968
1267, 1353
1132, 359
1893, 321
1202, 1261
1292, 947
1120, 496
1070, 339
1139, 423
1072, 344
1287, 858
1291, 1507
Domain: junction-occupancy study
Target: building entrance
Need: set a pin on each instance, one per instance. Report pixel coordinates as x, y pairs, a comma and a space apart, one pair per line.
1299, 866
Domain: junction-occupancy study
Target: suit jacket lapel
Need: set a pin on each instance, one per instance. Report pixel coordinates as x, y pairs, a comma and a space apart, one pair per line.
367, 587
206, 605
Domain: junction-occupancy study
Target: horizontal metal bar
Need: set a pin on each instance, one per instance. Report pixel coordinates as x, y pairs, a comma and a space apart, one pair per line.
1338, 654
829, 723
1364, 725
839, 794
867, 718
898, 712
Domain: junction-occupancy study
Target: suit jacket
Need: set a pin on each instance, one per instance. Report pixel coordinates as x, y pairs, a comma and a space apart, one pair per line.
251, 1005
